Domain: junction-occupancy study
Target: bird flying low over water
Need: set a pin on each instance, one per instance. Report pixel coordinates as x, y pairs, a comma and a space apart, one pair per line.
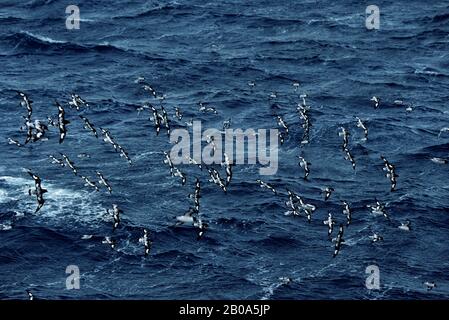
329, 222
192, 217
27, 103
62, 122
406, 226
102, 181
57, 161
216, 178
147, 243
338, 241
266, 185
305, 165
14, 142
89, 126
111, 242
347, 211
327, 192
69, 163
89, 183
38, 190
116, 212
376, 102
77, 102
361, 124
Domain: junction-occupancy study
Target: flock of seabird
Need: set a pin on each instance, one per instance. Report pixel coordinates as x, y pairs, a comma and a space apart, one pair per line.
297, 205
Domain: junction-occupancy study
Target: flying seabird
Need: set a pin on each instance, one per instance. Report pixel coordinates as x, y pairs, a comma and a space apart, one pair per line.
89, 126
55, 160
378, 209
147, 243
282, 123
305, 165
115, 215
168, 161
308, 208
103, 181
109, 241
38, 191
90, 183
215, 178
430, 285
347, 212
327, 192
406, 226
107, 137
204, 108
29, 128
376, 101
62, 122
338, 241
391, 172
330, 223
150, 89
192, 161
192, 218
77, 102
362, 125
285, 280
281, 136
345, 134
165, 120
348, 156
30, 295
156, 119
292, 203
124, 154
304, 104
38, 126
178, 173
69, 163
266, 185
178, 113
375, 238
228, 167
14, 142
27, 103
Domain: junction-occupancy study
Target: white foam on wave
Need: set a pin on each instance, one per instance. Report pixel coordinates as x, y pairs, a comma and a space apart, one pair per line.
5, 226
4, 196
42, 38
60, 203
14, 181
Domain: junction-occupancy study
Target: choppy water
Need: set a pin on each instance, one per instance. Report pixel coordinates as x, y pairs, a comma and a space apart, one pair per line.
208, 51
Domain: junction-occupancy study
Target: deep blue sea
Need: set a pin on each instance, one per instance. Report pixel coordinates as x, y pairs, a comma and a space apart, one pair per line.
208, 51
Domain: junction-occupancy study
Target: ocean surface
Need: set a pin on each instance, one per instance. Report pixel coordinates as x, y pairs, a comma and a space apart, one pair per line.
208, 51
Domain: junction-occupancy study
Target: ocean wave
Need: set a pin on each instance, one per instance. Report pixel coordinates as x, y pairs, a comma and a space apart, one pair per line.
172, 9
62, 204
25, 42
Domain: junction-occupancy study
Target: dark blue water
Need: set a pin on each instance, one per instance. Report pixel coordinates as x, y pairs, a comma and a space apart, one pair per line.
195, 51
